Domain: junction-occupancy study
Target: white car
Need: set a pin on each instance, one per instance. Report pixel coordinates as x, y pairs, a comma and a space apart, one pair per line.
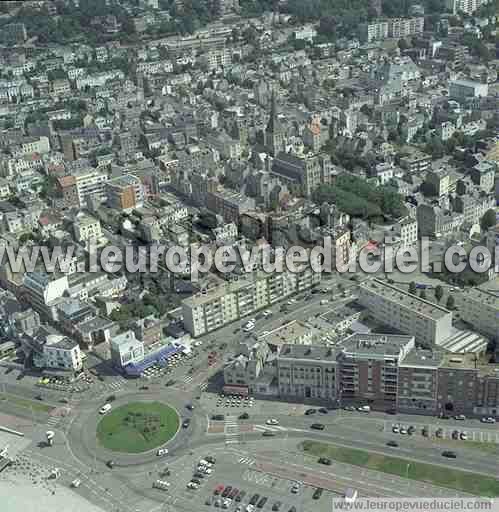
105, 409
250, 508
198, 343
403, 430
203, 462
272, 421
76, 483
463, 436
192, 485
248, 327
205, 470
488, 420
267, 313
395, 429
161, 452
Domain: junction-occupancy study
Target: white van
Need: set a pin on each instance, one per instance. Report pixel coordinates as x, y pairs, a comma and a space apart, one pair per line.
105, 409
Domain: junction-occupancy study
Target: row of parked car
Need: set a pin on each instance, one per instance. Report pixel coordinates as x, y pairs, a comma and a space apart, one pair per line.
204, 468
224, 496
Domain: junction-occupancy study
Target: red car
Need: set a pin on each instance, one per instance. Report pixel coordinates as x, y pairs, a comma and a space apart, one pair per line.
233, 493
218, 489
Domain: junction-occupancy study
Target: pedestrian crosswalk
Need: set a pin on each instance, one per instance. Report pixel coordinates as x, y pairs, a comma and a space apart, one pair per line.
231, 430
186, 379
247, 460
53, 421
271, 428
203, 386
117, 384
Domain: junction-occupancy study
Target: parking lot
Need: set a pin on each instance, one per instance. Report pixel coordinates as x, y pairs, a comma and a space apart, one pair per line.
237, 483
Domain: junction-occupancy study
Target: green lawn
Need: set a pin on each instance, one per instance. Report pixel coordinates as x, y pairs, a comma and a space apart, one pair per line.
444, 477
35, 405
486, 447
137, 427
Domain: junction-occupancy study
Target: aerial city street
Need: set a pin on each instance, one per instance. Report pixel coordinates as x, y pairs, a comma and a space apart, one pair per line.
249, 255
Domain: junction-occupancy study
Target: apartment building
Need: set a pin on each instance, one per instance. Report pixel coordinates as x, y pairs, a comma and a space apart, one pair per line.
125, 193
75, 188
416, 162
428, 323
408, 232
225, 303
404, 27
418, 382
381, 29
62, 353
369, 366
466, 6
480, 309
86, 228
462, 89
376, 31
307, 372
43, 291
385, 371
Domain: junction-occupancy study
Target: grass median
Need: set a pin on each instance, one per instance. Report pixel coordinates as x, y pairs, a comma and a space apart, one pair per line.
443, 477
24, 403
137, 427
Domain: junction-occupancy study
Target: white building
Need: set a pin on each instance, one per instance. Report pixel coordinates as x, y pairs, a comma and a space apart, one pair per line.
480, 308
126, 349
61, 353
408, 229
225, 303
87, 227
429, 323
466, 6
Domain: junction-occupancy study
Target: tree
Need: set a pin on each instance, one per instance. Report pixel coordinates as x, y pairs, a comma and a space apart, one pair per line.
451, 302
488, 219
422, 294
439, 293
412, 287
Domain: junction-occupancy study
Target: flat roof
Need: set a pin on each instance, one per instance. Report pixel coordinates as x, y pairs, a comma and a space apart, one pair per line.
308, 352
482, 296
374, 344
406, 299
423, 359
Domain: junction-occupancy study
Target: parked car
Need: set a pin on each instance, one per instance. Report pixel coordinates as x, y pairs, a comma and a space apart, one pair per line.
110, 464
309, 412
262, 502
268, 433
254, 499
449, 454
210, 459
218, 489
272, 421
186, 423
439, 432
218, 417
323, 410
240, 496
226, 491
393, 444
277, 505
162, 452
244, 416
460, 417
317, 493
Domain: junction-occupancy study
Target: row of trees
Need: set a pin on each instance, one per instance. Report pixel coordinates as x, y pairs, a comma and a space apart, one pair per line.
360, 199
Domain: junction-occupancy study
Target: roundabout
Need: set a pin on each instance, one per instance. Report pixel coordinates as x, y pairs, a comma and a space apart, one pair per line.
138, 427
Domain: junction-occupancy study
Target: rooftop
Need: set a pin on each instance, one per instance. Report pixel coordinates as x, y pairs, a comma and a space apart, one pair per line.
308, 352
482, 296
405, 299
372, 345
